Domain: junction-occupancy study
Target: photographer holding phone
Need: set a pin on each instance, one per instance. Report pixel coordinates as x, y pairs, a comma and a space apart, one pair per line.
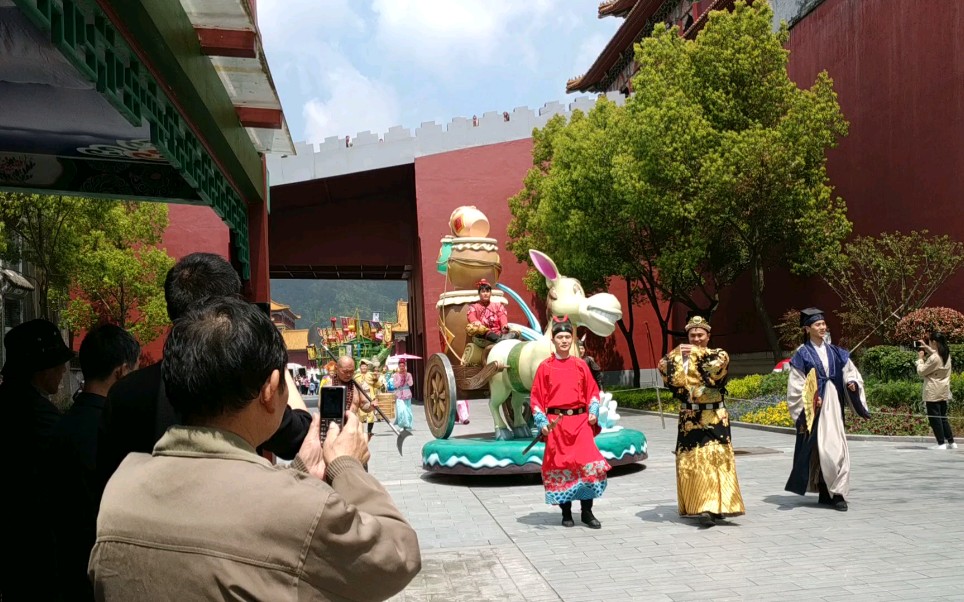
934, 366
205, 514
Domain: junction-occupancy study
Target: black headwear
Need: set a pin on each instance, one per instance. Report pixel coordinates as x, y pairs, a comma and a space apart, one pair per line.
34, 346
810, 315
561, 324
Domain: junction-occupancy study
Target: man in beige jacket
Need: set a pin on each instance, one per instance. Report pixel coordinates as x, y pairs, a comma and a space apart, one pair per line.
205, 517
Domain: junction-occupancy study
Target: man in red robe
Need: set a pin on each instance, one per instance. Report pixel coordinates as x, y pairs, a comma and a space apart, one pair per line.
564, 390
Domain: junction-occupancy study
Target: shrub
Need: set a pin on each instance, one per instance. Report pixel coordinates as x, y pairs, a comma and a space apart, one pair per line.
888, 363
747, 387
645, 399
775, 415
916, 324
894, 393
957, 388
899, 420
957, 357
774, 383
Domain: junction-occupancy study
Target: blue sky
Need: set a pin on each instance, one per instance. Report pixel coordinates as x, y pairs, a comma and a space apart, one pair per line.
344, 66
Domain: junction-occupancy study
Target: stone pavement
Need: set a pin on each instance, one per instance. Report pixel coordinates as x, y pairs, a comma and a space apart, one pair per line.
493, 538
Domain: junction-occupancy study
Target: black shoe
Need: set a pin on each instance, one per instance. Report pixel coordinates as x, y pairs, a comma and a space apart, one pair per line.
591, 521
567, 521
839, 503
707, 520
824, 498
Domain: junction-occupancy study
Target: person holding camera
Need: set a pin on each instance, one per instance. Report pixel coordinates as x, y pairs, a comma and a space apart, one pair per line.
204, 517
934, 366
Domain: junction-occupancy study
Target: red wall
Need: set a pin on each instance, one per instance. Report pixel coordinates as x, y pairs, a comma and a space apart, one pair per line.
486, 176
191, 229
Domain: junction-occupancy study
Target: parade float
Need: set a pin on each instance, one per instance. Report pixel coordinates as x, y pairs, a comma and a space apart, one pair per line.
503, 372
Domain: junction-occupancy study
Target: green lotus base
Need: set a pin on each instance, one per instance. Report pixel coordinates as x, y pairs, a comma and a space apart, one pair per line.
482, 455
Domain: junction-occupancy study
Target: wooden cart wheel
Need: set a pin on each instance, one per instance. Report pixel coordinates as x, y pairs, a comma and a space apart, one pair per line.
440, 397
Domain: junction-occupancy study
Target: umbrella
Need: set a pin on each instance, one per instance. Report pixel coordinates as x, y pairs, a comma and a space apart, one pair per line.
404, 356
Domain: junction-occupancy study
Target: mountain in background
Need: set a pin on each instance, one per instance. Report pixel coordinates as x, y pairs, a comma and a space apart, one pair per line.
317, 300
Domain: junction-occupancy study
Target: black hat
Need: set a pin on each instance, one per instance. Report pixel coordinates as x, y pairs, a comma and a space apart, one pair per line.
34, 346
561, 324
810, 315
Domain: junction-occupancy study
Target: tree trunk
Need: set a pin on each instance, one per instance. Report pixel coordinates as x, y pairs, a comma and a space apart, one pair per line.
756, 273
628, 334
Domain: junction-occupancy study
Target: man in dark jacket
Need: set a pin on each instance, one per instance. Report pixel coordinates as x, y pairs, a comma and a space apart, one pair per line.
139, 413
107, 354
36, 362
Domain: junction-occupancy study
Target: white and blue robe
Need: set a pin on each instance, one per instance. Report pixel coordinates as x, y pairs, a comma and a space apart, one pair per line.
827, 437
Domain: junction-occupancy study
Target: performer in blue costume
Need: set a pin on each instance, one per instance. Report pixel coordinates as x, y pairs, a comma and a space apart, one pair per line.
821, 459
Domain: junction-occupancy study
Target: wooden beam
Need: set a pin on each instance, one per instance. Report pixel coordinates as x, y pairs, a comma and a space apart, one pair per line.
253, 117
238, 43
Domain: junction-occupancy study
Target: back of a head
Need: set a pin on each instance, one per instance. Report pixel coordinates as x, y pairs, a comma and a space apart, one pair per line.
942, 349
218, 356
196, 277
106, 348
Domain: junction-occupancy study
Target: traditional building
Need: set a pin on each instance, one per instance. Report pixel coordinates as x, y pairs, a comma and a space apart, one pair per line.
613, 69
296, 341
282, 316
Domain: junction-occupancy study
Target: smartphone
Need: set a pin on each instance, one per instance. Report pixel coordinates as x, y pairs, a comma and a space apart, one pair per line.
331, 405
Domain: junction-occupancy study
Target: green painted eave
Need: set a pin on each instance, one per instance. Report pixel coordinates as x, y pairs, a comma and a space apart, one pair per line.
162, 34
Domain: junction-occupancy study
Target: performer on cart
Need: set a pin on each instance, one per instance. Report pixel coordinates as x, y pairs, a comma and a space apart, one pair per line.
493, 316
565, 406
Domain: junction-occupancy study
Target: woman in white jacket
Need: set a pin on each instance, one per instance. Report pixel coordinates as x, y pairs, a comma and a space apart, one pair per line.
934, 366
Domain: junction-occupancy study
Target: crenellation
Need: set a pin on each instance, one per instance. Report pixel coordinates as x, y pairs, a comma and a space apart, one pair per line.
364, 138
339, 155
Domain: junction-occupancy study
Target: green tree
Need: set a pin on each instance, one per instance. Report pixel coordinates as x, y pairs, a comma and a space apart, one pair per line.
119, 276
741, 149
714, 167
566, 210
48, 231
881, 279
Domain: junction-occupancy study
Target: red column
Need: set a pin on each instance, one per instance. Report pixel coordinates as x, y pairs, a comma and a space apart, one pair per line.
258, 287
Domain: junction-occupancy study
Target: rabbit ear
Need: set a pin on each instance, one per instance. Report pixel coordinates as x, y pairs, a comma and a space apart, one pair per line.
544, 264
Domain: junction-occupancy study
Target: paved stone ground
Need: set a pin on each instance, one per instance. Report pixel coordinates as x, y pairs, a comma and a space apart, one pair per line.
494, 538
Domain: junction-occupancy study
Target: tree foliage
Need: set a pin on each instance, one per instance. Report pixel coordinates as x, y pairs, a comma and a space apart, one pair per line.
715, 166
119, 278
924, 321
879, 279
96, 260
48, 231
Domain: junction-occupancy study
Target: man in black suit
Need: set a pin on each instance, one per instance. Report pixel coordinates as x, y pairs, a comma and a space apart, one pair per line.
138, 411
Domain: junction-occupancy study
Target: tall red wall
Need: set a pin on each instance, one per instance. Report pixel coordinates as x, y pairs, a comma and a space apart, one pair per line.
191, 229
898, 69
486, 176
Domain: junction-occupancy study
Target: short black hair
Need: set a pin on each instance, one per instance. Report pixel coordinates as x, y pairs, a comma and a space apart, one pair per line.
218, 356
106, 348
196, 277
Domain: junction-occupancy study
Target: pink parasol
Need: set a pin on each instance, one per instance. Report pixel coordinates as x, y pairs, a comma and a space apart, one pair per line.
405, 356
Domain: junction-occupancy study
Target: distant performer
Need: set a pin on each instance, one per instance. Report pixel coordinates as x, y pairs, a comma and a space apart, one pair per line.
821, 459
706, 484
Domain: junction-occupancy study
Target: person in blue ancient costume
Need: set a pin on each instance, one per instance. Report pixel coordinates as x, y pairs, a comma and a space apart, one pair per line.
821, 459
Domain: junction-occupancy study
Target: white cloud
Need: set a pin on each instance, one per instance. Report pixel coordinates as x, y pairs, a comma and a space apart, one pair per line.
441, 34
355, 103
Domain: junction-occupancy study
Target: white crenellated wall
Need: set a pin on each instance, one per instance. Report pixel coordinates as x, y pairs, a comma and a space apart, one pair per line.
398, 146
